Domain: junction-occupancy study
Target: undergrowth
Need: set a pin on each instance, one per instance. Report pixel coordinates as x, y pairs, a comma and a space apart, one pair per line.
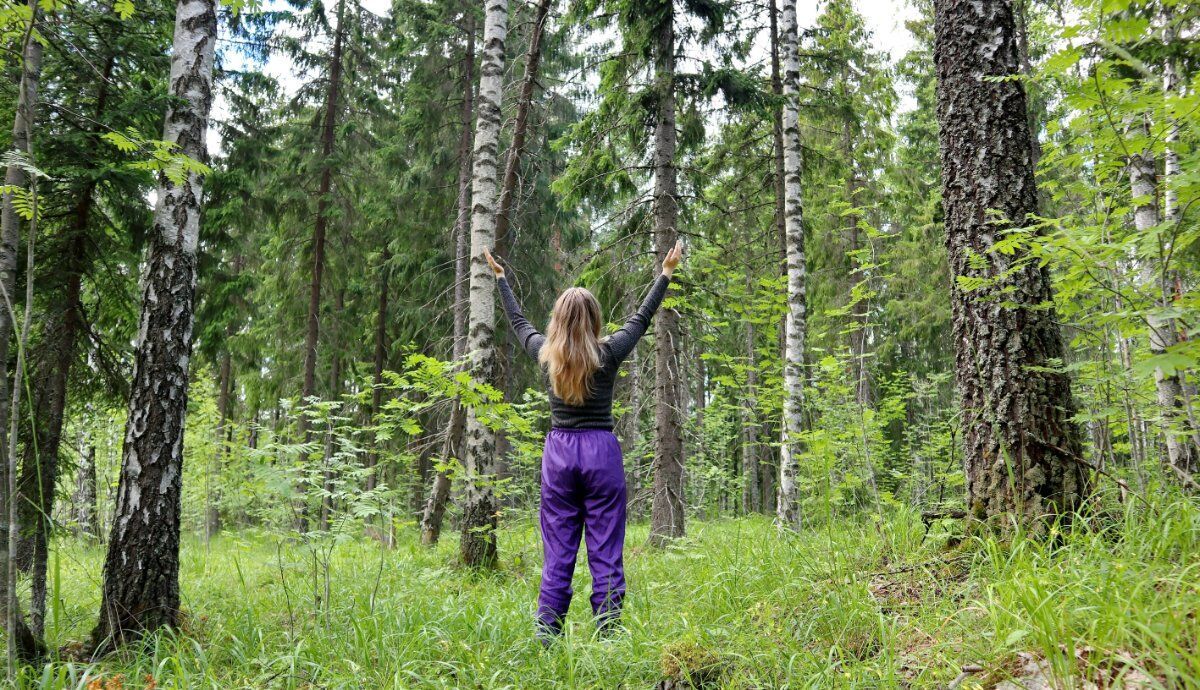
865, 604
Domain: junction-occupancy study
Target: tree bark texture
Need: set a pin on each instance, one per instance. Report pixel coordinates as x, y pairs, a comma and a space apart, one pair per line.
478, 544
1023, 452
796, 317
667, 507
141, 570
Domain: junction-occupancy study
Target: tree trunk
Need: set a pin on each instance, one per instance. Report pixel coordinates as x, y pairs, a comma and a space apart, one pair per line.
318, 239
508, 196
629, 426
335, 376
439, 493
39, 470
751, 491
667, 509
87, 526
22, 644
1023, 453
796, 323
478, 545
858, 336
381, 347
1186, 459
141, 571
212, 511
780, 173
335, 389
1021, 18
512, 163
1182, 454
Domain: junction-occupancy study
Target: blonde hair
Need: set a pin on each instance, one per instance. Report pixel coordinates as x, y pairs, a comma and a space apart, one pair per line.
571, 352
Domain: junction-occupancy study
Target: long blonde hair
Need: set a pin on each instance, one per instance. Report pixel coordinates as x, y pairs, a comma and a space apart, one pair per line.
571, 352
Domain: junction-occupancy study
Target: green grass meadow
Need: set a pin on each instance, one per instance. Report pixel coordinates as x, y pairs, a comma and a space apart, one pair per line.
735, 605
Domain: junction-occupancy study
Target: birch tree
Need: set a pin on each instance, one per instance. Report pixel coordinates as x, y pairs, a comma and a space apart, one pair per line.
1156, 280
140, 591
796, 323
1023, 452
478, 545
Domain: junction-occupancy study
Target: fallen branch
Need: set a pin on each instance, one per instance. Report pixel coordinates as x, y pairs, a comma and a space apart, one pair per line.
929, 516
967, 672
1102, 472
918, 566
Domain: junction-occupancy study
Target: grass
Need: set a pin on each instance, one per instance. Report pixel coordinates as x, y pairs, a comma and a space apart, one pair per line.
734, 605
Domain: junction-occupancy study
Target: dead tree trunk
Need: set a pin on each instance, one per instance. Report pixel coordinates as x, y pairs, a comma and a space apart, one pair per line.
1023, 452
439, 493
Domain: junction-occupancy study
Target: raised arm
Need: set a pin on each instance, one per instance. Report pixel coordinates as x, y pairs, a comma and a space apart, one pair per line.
626, 338
530, 338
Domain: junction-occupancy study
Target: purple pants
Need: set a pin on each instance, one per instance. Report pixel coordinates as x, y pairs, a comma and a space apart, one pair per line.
583, 492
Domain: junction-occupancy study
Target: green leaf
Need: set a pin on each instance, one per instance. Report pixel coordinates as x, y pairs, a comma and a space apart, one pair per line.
1168, 362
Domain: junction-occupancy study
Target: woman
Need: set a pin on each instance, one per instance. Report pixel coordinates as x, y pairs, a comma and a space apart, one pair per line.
583, 476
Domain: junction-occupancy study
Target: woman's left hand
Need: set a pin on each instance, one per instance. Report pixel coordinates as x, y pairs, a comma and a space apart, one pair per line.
496, 268
672, 259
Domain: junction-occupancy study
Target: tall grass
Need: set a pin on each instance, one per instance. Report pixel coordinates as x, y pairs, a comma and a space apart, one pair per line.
857, 604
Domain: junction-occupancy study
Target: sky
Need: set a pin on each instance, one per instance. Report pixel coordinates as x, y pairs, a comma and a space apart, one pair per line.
884, 17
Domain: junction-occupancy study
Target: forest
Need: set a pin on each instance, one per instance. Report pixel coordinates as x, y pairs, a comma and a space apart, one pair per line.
918, 408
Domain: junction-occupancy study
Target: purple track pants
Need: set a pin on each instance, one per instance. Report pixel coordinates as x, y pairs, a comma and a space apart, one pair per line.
583, 492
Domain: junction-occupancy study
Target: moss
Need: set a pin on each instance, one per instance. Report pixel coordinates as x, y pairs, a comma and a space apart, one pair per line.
689, 664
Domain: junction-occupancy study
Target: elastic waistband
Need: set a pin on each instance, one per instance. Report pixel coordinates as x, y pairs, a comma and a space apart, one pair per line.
571, 430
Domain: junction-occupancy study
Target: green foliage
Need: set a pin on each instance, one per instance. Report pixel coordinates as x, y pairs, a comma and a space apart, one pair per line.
159, 156
849, 604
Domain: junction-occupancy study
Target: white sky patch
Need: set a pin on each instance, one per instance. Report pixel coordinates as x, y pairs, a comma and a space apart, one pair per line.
885, 18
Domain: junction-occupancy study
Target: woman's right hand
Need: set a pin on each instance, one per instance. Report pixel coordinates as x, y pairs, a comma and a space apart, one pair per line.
672, 259
496, 268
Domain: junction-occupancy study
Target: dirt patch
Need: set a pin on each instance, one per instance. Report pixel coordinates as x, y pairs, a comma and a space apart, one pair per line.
1092, 669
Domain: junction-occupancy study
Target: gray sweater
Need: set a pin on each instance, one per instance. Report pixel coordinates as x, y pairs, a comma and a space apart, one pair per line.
596, 410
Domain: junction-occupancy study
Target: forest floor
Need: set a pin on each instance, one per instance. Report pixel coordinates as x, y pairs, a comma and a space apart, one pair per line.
859, 604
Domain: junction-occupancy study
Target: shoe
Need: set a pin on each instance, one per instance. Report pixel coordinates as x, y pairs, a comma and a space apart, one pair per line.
548, 633
609, 626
